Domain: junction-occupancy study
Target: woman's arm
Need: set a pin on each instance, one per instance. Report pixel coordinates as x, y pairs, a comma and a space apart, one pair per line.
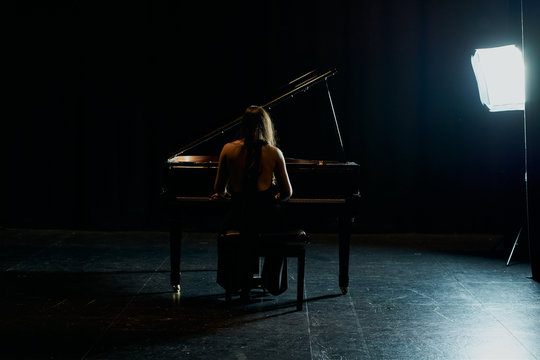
222, 176
282, 177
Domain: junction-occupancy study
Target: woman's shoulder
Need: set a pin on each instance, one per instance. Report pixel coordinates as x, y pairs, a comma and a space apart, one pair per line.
274, 150
233, 144
236, 143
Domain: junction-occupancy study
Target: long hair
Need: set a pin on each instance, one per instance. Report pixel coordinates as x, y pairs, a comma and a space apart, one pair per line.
257, 129
257, 125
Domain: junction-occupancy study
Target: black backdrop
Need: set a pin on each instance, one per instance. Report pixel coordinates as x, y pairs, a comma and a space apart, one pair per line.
105, 91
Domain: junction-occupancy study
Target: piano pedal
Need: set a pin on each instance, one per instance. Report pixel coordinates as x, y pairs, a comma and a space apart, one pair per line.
176, 288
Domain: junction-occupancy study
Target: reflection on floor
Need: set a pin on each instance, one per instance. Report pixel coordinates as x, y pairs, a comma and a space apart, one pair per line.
97, 295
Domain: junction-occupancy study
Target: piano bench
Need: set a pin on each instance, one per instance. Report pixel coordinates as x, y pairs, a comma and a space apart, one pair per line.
285, 244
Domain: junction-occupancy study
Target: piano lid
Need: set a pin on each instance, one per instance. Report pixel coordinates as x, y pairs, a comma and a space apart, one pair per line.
300, 84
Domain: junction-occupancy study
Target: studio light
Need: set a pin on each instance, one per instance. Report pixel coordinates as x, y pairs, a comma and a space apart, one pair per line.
500, 73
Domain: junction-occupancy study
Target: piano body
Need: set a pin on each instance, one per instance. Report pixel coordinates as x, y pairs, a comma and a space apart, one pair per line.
323, 188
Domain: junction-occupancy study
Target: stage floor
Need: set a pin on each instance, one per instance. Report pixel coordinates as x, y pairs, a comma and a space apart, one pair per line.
106, 295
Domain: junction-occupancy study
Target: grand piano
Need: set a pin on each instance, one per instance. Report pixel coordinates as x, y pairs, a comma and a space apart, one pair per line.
328, 188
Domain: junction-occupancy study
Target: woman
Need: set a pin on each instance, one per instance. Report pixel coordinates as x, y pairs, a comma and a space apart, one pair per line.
252, 171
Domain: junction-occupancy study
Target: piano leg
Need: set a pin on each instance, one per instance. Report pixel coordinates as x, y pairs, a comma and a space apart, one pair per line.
175, 238
345, 226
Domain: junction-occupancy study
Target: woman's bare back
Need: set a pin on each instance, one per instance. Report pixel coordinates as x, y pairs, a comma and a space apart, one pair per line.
232, 166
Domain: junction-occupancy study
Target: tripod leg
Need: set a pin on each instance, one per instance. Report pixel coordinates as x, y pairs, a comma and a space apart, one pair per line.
514, 247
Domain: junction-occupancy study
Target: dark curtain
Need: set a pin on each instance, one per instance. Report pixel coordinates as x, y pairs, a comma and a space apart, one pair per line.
104, 92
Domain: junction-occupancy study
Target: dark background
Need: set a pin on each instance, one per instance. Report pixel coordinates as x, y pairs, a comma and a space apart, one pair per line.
104, 92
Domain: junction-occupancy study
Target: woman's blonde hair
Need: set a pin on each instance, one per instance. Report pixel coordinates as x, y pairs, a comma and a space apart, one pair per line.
257, 125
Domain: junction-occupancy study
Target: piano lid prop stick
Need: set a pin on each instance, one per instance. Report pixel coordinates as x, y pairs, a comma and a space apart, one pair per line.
335, 121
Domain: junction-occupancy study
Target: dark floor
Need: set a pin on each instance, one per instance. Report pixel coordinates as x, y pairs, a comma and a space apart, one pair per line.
95, 295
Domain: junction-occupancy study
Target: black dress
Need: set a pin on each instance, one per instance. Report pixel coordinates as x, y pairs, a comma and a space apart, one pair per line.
252, 212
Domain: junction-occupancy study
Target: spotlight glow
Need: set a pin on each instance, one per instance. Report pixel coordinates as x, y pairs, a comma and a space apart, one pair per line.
500, 73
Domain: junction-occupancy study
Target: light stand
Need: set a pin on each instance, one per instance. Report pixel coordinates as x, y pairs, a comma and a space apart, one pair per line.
514, 247
526, 225
500, 73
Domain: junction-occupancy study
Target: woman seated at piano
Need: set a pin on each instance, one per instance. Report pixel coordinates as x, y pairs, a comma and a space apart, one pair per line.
254, 161
253, 173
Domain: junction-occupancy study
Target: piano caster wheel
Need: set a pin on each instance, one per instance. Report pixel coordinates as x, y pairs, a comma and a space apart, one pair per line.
344, 290
176, 288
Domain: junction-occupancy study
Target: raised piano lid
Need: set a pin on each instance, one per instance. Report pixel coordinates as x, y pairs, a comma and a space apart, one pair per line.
302, 83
